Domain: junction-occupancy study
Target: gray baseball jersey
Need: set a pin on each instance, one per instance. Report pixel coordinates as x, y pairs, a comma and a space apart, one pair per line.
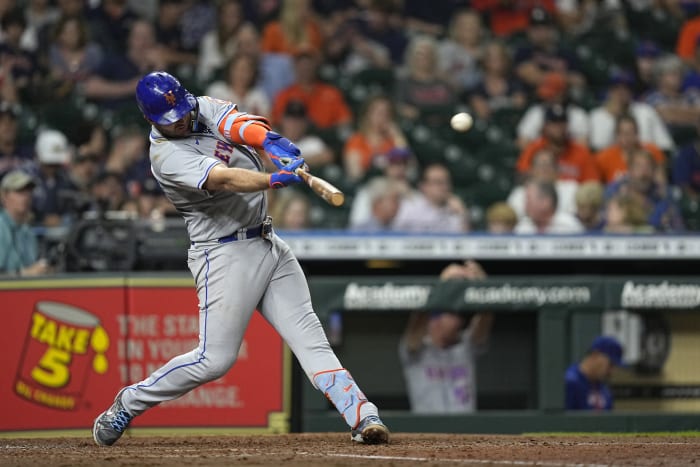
441, 380
235, 278
181, 166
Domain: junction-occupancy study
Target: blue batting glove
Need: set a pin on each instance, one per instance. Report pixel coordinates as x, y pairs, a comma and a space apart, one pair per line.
280, 149
287, 174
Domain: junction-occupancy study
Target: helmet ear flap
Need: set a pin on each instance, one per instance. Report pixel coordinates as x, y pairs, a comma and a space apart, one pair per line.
194, 125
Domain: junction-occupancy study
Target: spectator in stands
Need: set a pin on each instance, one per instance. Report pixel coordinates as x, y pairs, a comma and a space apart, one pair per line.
436, 208
381, 22
64, 9
76, 199
21, 63
640, 182
72, 57
296, 30
552, 90
276, 70
501, 218
220, 44
169, 35
377, 133
438, 352
128, 158
499, 89
541, 213
646, 55
19, 250
112, 86
295, 126
240, 84
398, 165
110, 25
507, 18
676, 107
53, 153
8, 90
544, 170
421, 17
589, 205
147, 201
350, 51
39, 15
291, 211
324, 102
13, 155
421, 93
625, 214
686, 168
108, 192
585, 381
618, 102
384, 196
687, 38
574, 161
543, 53
612, 161
460, 53
580, 18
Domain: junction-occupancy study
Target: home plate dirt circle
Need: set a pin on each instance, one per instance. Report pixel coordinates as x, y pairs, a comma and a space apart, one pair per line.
324, 449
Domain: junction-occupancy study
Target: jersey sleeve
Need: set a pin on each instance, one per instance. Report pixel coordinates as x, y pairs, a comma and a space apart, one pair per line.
183, 168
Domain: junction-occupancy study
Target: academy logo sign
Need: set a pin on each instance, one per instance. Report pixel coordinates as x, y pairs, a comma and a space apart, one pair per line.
660, 295
507, 294
386, 296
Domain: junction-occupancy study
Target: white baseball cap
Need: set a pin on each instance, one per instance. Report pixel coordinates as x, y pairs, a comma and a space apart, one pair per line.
52, 148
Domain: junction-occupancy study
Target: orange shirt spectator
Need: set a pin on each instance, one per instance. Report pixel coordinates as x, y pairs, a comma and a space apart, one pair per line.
325, 104
274, 40
687, 39
612, 163
295, 29
507, 18
574, 162
359, 143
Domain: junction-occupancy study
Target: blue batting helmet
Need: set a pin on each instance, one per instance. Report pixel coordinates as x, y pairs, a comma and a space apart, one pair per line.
162, 99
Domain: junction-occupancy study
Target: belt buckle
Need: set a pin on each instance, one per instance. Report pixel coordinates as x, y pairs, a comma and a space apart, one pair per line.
266, 230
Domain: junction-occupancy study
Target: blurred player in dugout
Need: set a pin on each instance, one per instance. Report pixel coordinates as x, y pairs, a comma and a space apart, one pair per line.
586, 380
438, 352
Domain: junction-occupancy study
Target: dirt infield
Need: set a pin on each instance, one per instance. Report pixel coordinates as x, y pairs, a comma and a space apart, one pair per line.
335, 449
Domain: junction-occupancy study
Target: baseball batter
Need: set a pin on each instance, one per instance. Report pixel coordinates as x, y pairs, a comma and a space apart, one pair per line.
206, 155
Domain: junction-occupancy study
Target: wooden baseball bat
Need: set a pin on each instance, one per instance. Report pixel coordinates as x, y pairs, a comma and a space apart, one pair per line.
322, 188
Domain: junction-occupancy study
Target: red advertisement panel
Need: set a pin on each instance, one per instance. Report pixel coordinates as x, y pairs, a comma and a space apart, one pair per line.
59, 359
67, 351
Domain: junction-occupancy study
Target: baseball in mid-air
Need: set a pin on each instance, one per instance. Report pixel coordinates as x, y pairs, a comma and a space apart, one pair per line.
461, 121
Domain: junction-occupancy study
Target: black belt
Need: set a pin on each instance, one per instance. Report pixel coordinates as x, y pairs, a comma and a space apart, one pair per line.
262, 230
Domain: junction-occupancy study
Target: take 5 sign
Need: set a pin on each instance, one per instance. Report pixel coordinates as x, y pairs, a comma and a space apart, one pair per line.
71, 344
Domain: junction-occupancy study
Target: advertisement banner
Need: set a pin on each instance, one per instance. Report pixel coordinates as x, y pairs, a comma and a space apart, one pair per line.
70, 345
59, 361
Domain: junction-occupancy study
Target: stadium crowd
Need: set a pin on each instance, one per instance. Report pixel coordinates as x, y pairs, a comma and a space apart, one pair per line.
586, 112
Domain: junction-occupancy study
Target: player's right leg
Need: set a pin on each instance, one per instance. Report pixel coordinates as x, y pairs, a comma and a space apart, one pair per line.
227, 298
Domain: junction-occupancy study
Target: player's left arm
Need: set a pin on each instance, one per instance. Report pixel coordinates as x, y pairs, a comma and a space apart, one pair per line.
255, 131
